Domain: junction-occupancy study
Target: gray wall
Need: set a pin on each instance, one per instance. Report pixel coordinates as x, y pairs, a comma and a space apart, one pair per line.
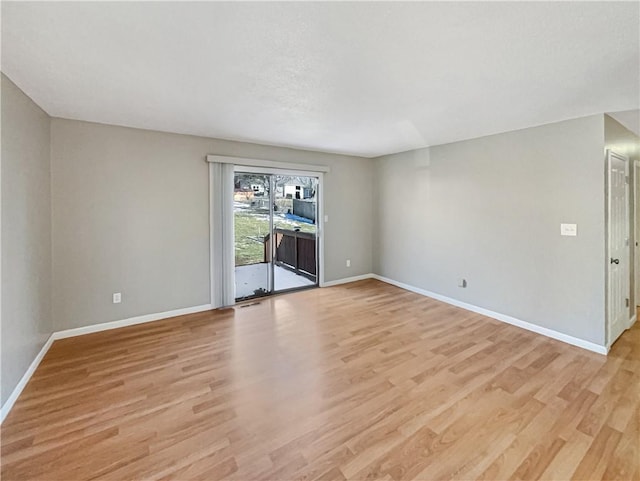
622, 141
489, 210
131, 215
126, 210
26, 234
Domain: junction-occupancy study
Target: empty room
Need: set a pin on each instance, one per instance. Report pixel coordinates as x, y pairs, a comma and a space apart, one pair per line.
320, 241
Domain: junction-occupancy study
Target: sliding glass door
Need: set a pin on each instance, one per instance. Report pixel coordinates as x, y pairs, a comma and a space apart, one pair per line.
295, 252
252, 224
276, 236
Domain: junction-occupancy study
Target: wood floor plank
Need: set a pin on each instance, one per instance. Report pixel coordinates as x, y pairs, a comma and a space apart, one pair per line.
359, 381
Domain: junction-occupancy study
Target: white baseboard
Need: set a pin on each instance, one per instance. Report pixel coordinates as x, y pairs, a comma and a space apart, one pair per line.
500, 317
8, 404
346, 280
132, 321
79, 331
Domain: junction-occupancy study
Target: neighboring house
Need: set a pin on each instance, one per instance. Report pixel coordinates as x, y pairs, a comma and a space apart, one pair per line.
257, 189
293, 190
245, 191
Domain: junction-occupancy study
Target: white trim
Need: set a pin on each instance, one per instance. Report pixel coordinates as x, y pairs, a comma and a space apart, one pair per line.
501, 317
131, 321
244, 169
225, 159
346, 280
630, 324
8, 404
205, 307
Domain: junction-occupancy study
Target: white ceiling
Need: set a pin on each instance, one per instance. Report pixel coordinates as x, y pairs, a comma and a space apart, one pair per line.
356, 78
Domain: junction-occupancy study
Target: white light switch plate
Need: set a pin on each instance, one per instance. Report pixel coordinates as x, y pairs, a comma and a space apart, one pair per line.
569, 229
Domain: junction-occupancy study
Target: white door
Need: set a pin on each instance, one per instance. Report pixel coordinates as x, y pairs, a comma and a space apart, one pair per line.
618, 198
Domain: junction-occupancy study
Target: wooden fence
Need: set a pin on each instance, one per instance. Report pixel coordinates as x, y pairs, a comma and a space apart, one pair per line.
294, 250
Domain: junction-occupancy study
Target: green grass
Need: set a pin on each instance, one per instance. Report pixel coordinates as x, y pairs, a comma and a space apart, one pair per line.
250, 229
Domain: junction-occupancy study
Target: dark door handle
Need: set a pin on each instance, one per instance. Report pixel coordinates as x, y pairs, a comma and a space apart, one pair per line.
615, 261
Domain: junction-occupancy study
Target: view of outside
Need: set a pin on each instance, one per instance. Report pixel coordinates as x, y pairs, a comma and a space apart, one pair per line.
251, 211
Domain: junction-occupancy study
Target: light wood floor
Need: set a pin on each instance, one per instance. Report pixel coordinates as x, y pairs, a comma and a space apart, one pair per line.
357, 381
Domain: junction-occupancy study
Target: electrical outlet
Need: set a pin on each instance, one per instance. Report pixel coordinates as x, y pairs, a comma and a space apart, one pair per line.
462, 283
348, 262
117, 298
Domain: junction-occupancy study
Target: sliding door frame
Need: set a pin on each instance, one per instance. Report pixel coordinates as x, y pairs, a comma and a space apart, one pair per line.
276, 167
239, 168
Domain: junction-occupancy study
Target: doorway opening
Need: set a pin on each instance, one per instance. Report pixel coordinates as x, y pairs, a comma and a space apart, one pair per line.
276, 232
